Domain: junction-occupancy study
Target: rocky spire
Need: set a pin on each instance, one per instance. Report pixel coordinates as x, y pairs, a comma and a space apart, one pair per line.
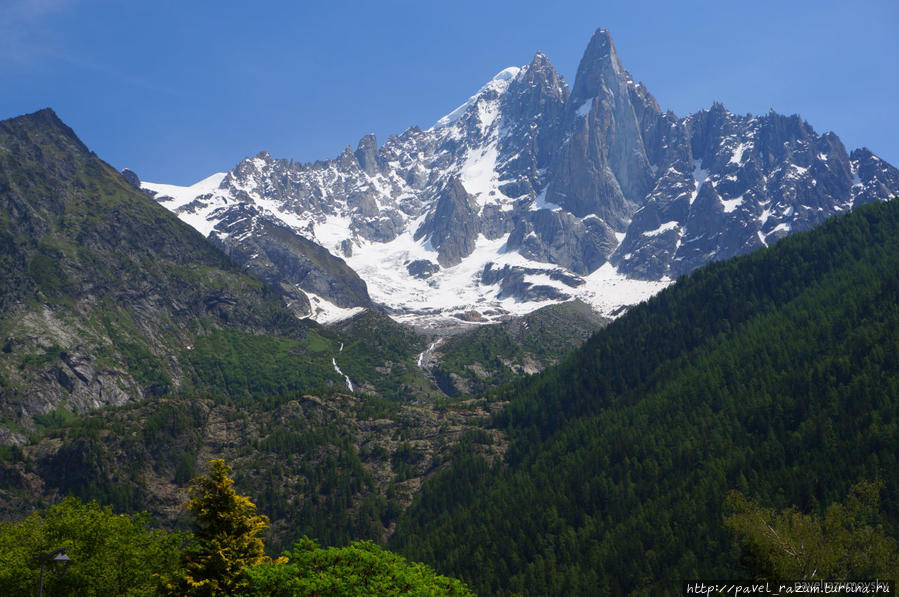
367, 154
453, 226
603, 169
599, 67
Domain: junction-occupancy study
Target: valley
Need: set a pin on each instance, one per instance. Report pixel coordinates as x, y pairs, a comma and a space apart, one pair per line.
562, 342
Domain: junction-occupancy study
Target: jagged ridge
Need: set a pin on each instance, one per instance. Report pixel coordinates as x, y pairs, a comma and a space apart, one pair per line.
525, 174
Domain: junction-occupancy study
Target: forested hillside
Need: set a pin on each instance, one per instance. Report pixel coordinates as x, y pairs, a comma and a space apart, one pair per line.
774, 374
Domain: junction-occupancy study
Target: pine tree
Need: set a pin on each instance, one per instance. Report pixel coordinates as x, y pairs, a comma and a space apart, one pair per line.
226, 529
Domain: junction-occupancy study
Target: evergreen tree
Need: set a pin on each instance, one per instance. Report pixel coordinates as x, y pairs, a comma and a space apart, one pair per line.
226, 529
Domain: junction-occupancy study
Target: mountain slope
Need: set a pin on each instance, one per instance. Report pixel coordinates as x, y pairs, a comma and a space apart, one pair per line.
108, 298
133, 349
337, 467
529, 194
488, 356
775, 374
101, 287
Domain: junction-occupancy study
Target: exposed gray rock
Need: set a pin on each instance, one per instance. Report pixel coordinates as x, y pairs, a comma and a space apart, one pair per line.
602, 168
581, 245
453, 226
513, 284
286, 261
131, 178
367, 154
422, 268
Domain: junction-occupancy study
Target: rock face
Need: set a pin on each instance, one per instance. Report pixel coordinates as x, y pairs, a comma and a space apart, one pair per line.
286, 261
131, 178
602, 168
453, 227
598, 182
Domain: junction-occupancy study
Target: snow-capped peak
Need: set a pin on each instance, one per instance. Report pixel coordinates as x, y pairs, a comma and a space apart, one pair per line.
528, 194
497, 85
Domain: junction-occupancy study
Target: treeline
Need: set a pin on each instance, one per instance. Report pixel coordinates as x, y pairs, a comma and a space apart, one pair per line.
775, 374
74, 548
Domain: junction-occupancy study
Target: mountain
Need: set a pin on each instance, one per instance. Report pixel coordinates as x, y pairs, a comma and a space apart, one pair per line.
530, 194
133, 349
301, 270
775, 374
101, 287
107, 298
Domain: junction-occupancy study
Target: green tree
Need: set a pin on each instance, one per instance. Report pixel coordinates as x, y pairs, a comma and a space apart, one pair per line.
111, 554
844, 544
358, 570
226, 531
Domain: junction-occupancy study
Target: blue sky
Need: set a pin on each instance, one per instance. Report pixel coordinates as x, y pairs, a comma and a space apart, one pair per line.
178, 90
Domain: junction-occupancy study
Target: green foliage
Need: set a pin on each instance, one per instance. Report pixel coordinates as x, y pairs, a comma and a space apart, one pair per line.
382, 352
776, 374
111, 554
334, 477
358, 570
55, 418
478, 357
37, 361
46, 272
89, 260
82, 467
171, 435
843, 544
249, 367
226, 536
375, 407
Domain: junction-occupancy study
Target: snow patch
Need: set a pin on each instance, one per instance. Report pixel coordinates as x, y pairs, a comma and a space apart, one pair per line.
606, 290
672, 225
478, 173
732, 204
202, 216
184, 195
330, 232
856, 181
699, 177
584, 108
324, 311
737, 157
540, 202
782, 227
498, 83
